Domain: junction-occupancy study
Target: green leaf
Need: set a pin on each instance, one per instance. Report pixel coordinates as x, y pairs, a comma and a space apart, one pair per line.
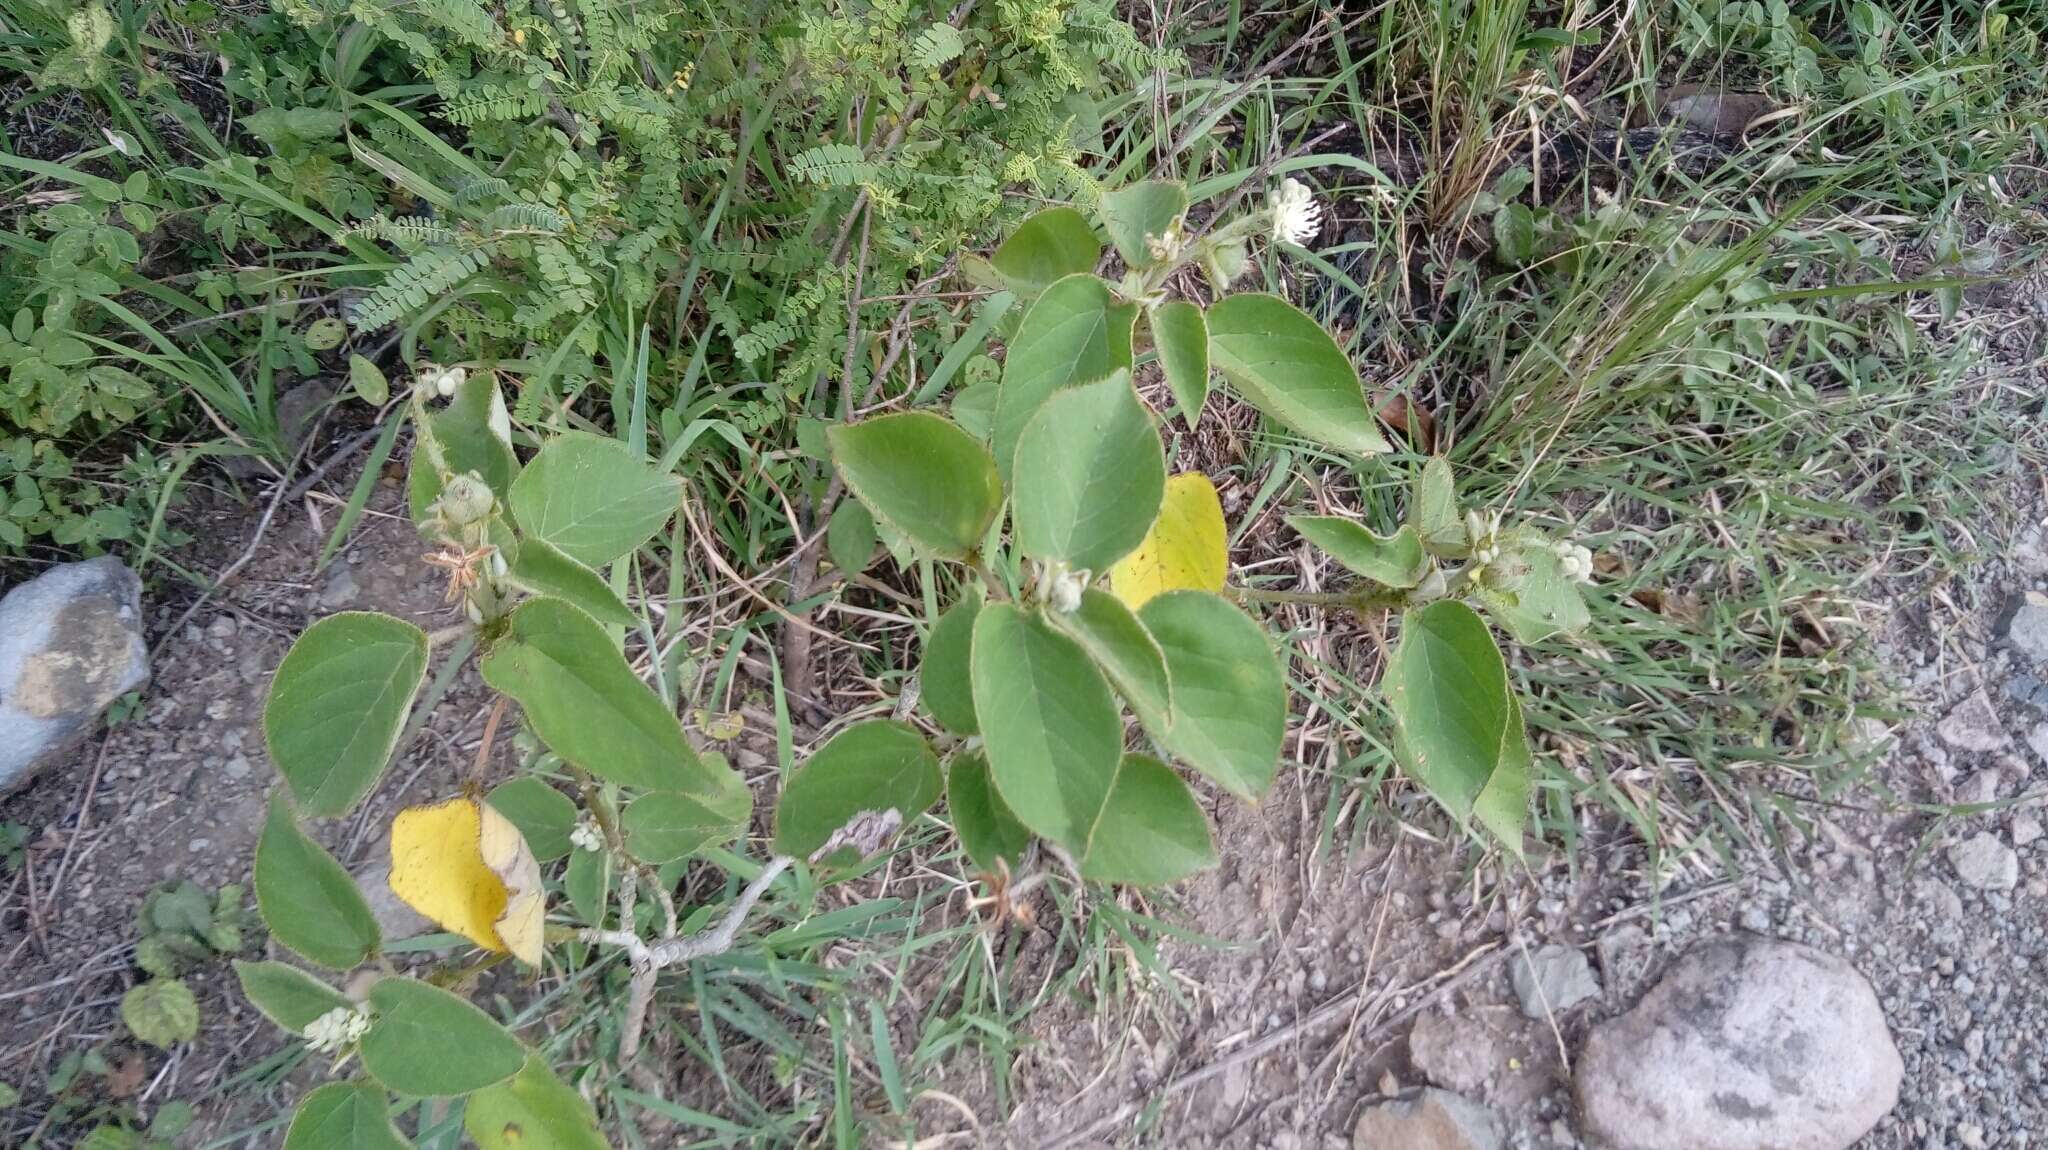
1152, 831
539, 568
876, 766
1151, 209
1229, 696
943, 676
586, 704
1048, 722
532, 1110
1393, 560
325, 334
1121, 647
1090, 475
989, 833
1290, 368
665, 826
308, 901
107, 1136
593, 498
1453, 713
161, 1012
1181, 334
850, 536
974, 408
429, 1043
1433, 510
1046, 248
287, 995
368, 381
344, 1116
1075, 333
1514, 235
337, 704
587, 882
1503, 805
1527, 592
472, 434
544, 815
173, 1117
922, 475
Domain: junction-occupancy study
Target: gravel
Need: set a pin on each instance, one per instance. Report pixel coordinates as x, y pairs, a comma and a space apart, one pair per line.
1974, 725
1983, 862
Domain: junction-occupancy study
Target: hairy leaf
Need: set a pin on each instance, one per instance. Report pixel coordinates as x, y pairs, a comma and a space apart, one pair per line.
1152, 831
922, 475
943, 677
593, 499
309, 902
1090, 475
1229, 710
1051, 245
1142, 215
287, 995
1181, 333
871, 767
989, 833
532, 1110
344, 1116
337, 704
1048, 723
1120, 645
1290, 368
586, 704
1393, 560
429, 1043
1075, 333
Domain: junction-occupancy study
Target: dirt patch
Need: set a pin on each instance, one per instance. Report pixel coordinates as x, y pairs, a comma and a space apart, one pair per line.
176, 788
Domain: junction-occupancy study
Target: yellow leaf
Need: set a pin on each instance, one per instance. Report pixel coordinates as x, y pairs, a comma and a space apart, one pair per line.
1186, 550
466, 867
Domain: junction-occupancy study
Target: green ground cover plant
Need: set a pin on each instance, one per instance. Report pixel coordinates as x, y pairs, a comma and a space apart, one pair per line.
673, 301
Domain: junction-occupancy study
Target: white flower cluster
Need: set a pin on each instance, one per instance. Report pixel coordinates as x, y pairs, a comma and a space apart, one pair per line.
1066, 590
338, 1029
1297, 217
443, 381
1576, 560
586, 836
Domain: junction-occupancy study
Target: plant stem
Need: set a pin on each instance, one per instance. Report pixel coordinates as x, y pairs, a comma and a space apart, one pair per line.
1359, 599
648, 961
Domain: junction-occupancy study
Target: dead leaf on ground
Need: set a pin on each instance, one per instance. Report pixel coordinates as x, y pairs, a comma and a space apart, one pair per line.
1678, 606
1717, 112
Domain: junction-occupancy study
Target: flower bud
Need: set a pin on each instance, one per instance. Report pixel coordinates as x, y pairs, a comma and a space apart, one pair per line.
466, 500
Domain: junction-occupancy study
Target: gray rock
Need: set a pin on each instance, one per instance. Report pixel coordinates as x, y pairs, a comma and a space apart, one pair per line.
1983, 862
395, 918
70, 644
2037, 738
1973, 726
1432, 1120
1457, 1051
2028, 631
1552, 980
2030, 551
299, 406
2026, 829
2029, 690
1746, 1044
340, 589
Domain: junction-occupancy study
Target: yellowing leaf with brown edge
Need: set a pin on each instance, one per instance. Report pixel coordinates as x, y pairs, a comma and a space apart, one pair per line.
1186, 550
465, 866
